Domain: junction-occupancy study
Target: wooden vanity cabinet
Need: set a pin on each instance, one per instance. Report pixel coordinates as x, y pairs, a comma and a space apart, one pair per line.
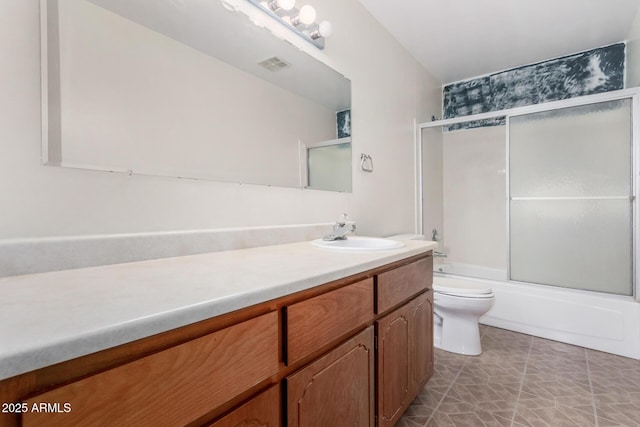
352, 352
338, 388
405, 356
405, 339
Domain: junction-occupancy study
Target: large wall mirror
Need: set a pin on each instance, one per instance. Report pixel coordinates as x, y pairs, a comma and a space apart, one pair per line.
183, 88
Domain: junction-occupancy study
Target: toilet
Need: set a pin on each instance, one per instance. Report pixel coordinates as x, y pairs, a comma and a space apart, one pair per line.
458, 305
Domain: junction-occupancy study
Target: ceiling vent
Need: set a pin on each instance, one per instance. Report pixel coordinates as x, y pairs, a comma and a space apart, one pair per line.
274, 64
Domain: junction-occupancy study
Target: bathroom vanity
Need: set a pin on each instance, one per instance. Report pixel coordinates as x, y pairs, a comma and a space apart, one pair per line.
281, 335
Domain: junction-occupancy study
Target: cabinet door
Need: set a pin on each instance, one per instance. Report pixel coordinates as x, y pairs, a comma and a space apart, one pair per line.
394, 379
421, 333
261, 411
405, 356
337, 389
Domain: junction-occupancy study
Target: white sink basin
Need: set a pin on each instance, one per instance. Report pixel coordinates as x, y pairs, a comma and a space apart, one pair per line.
358, 243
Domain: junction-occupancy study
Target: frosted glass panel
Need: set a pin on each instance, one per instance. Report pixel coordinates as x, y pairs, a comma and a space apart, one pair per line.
474, 197
583, 244
575, 151
570, 212
329, 167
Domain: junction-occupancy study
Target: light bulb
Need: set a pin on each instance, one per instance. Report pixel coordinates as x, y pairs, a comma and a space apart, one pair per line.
286, 4
307, 15
325, 29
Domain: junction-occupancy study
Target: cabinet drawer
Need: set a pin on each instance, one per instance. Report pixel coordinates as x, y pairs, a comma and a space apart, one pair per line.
400, 284
172, 387
316, 322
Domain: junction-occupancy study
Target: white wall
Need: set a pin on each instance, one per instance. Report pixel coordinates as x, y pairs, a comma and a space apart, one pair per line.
390, 91
633, 54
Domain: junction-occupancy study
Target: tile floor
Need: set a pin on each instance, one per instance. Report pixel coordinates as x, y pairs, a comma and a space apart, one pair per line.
520, 380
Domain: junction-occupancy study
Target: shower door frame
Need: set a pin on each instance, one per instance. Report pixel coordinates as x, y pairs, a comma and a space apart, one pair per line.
632, 94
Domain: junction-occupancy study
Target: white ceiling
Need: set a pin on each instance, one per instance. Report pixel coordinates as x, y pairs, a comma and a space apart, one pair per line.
460, 39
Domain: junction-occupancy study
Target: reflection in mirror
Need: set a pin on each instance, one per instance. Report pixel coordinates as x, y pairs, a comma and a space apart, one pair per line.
329, 165
186, 89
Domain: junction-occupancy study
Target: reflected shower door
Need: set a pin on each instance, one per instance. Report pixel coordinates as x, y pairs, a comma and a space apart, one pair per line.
570, 197
329, 166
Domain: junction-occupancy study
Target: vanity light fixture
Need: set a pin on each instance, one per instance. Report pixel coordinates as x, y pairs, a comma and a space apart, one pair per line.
300, 21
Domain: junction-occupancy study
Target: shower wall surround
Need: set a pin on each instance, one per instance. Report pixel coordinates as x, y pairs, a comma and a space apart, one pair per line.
586, 73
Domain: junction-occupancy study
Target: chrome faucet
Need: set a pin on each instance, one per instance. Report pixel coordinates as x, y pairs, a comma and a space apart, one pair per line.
435, 238
340, 229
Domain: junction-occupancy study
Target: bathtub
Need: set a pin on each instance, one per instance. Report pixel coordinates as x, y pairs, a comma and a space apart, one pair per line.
609, 323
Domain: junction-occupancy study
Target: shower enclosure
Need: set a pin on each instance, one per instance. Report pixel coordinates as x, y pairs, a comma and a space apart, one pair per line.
543, 194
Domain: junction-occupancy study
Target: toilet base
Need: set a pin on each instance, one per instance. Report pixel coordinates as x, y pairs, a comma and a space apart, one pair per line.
456, 322
462, 351
460, 336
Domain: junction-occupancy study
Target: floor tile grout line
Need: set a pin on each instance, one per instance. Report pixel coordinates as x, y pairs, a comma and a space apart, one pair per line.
524, 372
451, 385
593, 397
446, 392
541, 349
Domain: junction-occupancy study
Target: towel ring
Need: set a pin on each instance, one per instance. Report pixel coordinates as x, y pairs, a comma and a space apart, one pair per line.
366, 163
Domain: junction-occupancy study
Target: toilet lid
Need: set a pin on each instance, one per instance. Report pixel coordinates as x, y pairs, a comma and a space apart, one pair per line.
463, 289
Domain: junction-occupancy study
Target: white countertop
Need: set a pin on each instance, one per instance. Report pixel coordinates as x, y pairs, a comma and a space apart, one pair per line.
52, 317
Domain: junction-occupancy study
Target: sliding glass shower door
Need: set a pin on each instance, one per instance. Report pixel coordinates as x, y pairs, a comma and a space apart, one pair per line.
570, 197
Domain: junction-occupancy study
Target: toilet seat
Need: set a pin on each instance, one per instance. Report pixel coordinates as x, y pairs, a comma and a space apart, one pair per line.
463, 289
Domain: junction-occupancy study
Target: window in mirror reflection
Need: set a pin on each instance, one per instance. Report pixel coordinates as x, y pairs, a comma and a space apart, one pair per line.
344, 123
